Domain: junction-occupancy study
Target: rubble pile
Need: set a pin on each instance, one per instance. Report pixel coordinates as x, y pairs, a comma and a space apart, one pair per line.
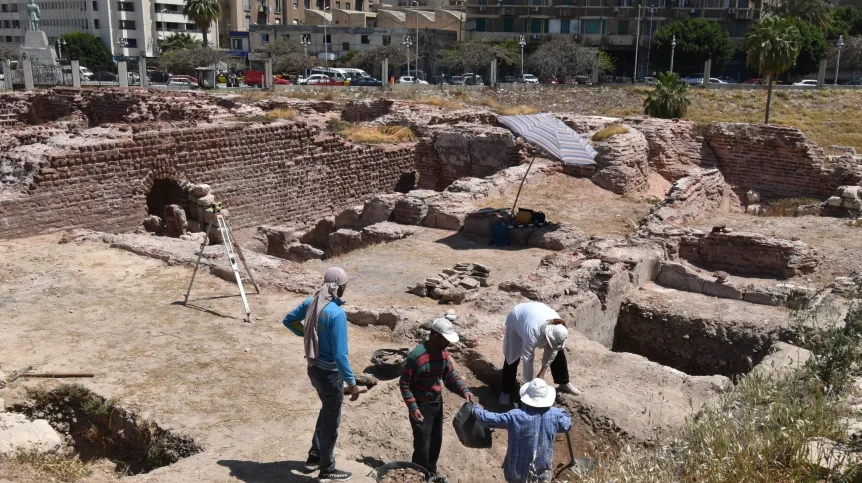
454, 285
847, 202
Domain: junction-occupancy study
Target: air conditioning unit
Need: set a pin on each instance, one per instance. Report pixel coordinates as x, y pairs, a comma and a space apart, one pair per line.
482, 8
651, 11
692, 10
731, 11
577, 37
536, 36
535, 9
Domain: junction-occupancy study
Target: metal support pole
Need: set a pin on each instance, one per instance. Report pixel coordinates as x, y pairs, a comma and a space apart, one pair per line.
672, 51
838, 60
637, 44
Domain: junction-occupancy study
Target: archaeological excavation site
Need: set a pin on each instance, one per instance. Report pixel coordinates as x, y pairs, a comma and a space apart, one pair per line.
688, 258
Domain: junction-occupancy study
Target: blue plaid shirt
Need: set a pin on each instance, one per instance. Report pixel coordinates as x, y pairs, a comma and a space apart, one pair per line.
531, 439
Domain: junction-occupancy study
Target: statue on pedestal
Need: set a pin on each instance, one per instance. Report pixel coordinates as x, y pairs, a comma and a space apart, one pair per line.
34, 14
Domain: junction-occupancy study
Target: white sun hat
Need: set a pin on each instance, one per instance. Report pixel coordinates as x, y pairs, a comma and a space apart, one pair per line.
557, 335
444, 327
538, 393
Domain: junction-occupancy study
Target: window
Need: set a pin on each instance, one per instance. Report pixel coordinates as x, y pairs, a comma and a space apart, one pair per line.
4, 8
307, 4
7, 24
127, 25
13, 8
481, 24
235, 44
508, 25
95, 6
347, 6
327, 39
246, 4
9, 38
264, 38
131, 43
365, 39
387, 39
95, 23
190, 27
345, 46
565, 26
16, 24
247, 21
593, 26
338, 5
277, 6
536, 25
295, 5
126, 6
623, 27
740, 29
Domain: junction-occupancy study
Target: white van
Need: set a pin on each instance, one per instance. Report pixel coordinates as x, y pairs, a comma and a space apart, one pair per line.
86, 74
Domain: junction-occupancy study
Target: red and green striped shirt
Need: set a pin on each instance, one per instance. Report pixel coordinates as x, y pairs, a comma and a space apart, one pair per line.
424, 373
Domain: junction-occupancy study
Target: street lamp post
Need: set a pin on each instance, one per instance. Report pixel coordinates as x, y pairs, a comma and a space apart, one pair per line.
407, 42
672, 51
637, 45
838, 60
60, 43
522, 42
325, 43
306, 41
416, 73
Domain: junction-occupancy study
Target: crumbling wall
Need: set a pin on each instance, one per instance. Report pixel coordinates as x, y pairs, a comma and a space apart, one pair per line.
366, 110
466, 150
621, 163
675, 145
776, 161
280, 172
749, 253
14, 108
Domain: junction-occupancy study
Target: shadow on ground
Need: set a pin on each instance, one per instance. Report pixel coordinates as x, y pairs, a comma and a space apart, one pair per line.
255, 472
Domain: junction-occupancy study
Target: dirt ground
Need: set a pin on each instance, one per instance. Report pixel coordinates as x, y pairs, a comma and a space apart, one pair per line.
837, 240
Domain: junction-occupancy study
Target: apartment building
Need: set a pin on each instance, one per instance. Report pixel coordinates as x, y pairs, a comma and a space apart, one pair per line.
126, 28
611, 25
238, 16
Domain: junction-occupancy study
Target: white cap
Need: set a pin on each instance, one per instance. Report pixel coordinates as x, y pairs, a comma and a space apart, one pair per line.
444, 328
557, 335
538, 394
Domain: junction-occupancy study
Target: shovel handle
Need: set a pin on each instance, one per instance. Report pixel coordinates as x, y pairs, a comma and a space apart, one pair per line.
571, 449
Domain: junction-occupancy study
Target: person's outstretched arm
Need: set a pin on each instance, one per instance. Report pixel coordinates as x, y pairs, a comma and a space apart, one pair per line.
293, 320
564, 422
492, 420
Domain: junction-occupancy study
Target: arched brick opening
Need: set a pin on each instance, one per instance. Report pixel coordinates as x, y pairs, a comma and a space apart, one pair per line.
163, 193
406, 182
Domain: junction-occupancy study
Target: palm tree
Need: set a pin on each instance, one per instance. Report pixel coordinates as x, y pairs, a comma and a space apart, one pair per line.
815, 12
203, 13
668, 99
772, 47
179, 41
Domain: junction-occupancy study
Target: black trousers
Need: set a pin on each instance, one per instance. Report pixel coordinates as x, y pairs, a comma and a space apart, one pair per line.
559, 371
428, 435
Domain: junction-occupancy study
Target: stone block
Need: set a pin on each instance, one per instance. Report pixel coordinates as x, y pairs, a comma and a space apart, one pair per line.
834, 201
349, 217
301, 252
680, 277
385, 232
201, 190
521, 236
278, 239
20, 435
850, 192
344, 241
319, 235
562, 236
480, 222
175, 221
379, 209
469, 283
721, 290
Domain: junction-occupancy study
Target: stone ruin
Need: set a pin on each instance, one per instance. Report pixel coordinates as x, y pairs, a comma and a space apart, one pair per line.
454, 285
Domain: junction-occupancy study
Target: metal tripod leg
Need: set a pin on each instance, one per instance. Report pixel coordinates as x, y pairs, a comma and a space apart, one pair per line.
198, 263
231, 256
241, 256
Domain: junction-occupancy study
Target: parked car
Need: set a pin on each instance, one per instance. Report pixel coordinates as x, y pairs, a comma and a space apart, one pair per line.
583, 80
551, 81
280, 81
693, 79
105, 76
650, 81
857, 82
473, 80
756, 80
509, 79
457, 80
529, 79
366, 82
728, 80
806, 83
182, 81
409, 79
318, 79
439, 79
716, 80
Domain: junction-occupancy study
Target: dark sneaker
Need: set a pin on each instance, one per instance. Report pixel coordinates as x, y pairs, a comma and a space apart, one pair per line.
334, 475
312, 464
439, 478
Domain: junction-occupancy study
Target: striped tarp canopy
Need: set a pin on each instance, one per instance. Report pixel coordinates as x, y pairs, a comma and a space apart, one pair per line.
552, 135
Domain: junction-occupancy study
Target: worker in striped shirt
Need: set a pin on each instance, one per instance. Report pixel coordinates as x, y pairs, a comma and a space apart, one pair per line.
425, 371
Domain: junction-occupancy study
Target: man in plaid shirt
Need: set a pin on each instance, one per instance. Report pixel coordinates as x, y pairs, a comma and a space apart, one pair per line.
425, 371
532, 430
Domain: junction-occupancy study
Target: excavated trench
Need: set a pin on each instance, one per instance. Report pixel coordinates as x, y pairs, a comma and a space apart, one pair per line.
97, 428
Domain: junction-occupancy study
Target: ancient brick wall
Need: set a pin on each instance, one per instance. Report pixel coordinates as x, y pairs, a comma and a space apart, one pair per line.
776, 161
621, 163
749, 253
447, 154
675, 146
366, 110
280, 172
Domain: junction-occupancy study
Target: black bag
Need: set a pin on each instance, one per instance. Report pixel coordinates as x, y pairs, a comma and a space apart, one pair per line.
471, 432
538, 217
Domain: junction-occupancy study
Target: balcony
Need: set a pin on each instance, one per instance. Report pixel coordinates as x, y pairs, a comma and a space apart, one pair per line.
621, 40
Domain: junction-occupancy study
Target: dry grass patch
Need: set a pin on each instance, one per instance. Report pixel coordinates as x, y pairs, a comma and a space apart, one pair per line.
282, 113
487, 102
378, 134
439, 102
786, 206
518, 110
609, 131
46, 467
255, 95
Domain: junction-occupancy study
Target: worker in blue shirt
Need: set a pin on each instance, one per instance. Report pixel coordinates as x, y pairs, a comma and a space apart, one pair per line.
322, 323
532, 429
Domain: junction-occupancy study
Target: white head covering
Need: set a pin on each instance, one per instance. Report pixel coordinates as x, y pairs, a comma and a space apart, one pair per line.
444, 327
333, 278
538, 394
556, 334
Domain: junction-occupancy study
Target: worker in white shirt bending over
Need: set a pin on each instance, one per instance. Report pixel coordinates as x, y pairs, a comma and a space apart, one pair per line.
530, 326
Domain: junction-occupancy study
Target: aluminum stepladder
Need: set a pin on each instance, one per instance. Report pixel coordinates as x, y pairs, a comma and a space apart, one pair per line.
232, 250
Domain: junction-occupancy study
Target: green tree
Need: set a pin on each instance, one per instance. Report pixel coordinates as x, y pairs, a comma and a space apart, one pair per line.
203, 13
772, 47
346, 59
185, 61
846, 21
472, 55
815, 12
288, 56
667, 100
368, 59
697, 41
86, 49
10, 53
179, 41
513, 50
812, 47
